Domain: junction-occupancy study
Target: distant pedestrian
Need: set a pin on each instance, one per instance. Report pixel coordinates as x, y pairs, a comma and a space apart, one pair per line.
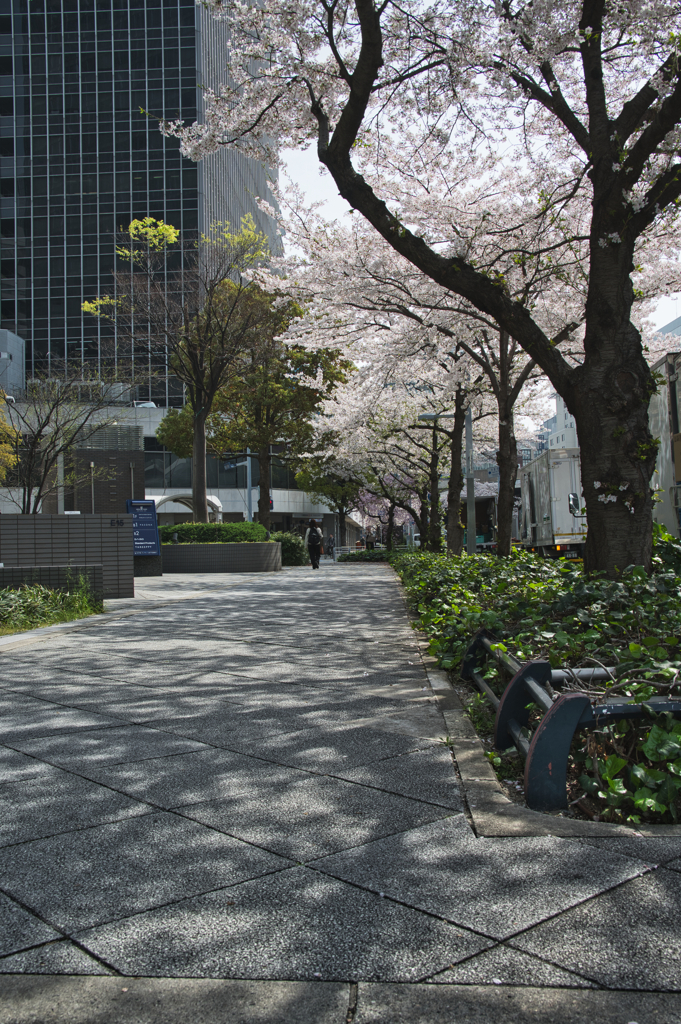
330, 546
313, 541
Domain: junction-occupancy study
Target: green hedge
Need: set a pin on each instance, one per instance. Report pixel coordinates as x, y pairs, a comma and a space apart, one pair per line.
293, 551
213, 533
381, 555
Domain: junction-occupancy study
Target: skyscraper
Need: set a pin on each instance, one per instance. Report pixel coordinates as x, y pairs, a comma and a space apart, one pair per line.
79, 159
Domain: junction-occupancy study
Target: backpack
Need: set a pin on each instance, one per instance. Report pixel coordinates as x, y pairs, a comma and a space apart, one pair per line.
314, 540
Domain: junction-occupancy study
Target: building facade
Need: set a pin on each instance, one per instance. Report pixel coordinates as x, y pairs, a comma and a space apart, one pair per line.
83, 84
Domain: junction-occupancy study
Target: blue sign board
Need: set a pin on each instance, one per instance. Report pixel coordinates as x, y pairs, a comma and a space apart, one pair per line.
144, 528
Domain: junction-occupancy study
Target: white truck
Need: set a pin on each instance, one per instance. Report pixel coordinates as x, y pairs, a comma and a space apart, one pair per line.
551, 516
663, 416
552, 520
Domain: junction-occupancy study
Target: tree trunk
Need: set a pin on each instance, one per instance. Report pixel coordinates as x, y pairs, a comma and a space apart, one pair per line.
265, 463
454, 524
391, 528
608, 396
423, 520
435, 531
507, 460
199, 502
342, 531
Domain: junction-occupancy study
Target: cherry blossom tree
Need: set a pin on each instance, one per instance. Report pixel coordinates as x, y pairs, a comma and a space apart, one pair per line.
586, 94
352, 281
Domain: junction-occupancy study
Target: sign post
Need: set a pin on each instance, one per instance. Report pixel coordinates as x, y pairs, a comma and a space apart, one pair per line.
144, 527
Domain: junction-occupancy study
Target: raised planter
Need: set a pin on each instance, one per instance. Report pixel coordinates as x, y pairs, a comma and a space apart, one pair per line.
252, 557
148, 565
58, 540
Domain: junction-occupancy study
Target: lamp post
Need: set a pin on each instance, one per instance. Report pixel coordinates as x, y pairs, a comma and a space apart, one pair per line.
433, 417
249, 494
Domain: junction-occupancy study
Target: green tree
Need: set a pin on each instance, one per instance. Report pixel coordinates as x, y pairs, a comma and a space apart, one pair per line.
326, 484
9, 438
271, 400
188, 301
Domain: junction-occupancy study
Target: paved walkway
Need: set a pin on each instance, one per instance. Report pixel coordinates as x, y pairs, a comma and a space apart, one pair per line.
244, 780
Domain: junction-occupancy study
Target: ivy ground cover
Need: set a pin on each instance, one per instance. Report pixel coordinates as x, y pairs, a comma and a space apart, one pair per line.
543, 609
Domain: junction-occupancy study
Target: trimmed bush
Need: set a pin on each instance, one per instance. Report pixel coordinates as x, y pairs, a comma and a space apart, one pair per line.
293, 550
213, 533
380, 555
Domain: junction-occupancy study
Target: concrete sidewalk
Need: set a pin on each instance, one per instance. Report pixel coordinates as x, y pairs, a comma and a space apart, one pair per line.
233, 805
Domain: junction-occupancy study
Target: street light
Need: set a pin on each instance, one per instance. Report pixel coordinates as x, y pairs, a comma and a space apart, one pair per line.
432, 417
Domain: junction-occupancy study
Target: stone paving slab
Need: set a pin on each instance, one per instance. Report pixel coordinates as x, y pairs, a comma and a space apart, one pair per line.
307, 817
103, 873
49, 720
497, 887
62, 1000
114, 745
297, 923
19, 928
294, 747
504, 965
55, 958
18, 767
478, 1004
185, 779
629, 938
55, 804
422, 774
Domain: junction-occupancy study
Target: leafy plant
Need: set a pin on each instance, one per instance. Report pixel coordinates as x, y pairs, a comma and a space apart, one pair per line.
293, 550
213, 533
29, 606
551, 610
365, 556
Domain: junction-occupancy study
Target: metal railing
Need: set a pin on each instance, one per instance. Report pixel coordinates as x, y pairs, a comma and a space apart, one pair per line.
546, 749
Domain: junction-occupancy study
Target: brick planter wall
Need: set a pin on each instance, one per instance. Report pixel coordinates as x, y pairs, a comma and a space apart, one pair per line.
55, 577
258, 557
47, 540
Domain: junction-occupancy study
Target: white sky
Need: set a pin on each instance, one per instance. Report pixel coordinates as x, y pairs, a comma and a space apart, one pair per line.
305, 170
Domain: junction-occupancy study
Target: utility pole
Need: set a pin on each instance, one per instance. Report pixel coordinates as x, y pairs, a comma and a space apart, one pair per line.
470, 487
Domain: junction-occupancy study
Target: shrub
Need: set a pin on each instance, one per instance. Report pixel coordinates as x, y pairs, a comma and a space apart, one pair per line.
551, 610
293, 550
29, 606
213, 533
379, 555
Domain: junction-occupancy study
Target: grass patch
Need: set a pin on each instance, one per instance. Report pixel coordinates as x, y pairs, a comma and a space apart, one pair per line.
32, 606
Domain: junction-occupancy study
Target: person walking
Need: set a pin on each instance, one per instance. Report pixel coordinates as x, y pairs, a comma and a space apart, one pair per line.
313, 542
330, 546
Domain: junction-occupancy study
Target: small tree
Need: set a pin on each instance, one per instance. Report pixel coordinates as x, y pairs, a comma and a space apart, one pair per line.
8, 445
55, 416
326, 485
190, 302
275, 397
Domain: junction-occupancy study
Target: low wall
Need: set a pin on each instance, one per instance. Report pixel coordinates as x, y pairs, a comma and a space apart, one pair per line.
256, 557
148, 565
59, 540
55, 577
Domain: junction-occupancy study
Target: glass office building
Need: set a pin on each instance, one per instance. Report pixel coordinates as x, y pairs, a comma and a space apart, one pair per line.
79, 159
